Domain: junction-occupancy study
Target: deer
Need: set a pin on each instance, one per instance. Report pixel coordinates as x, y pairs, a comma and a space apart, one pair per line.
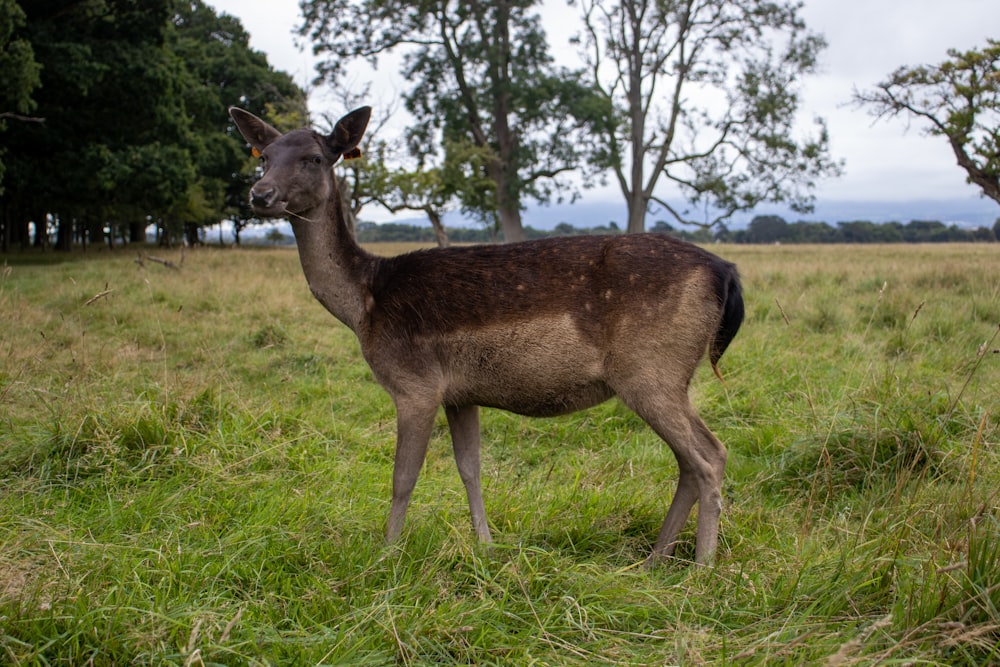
539, 328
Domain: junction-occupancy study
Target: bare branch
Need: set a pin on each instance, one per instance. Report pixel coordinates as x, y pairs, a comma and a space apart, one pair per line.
10, 115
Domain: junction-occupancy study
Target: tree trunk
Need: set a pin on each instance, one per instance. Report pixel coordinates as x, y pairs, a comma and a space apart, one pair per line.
439, 230
191, 235
5, 228
638, 205
508, 207
510, 223
989, 183
505, 168
635, 195
137, 232
163, 236
64, 233
93, 232
14, 222
41, 219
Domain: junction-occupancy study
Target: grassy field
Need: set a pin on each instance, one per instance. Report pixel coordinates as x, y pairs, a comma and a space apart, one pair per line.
195, 469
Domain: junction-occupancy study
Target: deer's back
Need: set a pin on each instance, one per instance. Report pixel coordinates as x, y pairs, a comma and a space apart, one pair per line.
542, 327
590, 278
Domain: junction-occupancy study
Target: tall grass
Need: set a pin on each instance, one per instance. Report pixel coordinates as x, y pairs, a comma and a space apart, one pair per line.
195, 469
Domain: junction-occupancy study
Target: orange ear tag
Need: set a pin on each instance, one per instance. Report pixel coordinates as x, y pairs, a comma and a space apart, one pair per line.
254, 151
352, 154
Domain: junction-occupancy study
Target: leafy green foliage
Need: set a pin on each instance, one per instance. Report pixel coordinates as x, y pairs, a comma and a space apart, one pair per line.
102, 66
18, 72
18, 69
134, 97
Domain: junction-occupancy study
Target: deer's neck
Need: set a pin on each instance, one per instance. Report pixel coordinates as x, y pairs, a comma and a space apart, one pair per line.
337, 269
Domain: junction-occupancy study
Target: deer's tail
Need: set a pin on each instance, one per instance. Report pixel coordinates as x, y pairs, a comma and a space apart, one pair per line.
731, 299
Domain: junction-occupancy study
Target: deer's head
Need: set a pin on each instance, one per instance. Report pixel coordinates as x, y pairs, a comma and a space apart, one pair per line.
298, 165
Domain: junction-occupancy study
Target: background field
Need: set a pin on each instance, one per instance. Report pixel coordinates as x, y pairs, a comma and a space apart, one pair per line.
195, 466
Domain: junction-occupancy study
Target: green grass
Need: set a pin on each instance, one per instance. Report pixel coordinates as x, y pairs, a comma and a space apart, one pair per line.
195, 469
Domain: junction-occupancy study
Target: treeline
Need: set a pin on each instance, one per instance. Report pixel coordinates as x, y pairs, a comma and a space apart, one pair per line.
113, 118
774, 229
762, 229
387, 232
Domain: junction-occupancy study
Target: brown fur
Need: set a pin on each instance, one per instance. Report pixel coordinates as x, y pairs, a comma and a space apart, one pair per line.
538, 328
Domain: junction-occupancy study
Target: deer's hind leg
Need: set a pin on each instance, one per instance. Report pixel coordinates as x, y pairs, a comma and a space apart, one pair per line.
701, 461
463, 422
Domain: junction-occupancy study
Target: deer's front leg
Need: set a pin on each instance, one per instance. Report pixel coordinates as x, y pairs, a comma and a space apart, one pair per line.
413, 432
463, 422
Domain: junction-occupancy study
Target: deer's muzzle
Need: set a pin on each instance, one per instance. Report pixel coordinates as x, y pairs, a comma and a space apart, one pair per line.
262, 197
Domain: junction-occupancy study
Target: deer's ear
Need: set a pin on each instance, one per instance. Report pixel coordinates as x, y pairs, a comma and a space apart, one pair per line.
348, 131
257, 133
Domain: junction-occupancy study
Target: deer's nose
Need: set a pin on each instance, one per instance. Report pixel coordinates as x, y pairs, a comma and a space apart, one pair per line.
261, 196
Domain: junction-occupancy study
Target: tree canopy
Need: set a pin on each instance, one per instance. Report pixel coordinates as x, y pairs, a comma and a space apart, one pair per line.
19, 73
484, 91
134, 99
958, 99
698, 95
705, 103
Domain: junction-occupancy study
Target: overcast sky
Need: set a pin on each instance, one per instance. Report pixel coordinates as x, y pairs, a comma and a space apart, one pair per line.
867, 39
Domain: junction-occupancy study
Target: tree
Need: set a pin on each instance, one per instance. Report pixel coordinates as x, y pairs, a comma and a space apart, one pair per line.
103, 69
983, 234
419, 190
767, 229
705, 99
959, 100
19, 73
431, 189
112, 141
134, 96
221, 70
483, 81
